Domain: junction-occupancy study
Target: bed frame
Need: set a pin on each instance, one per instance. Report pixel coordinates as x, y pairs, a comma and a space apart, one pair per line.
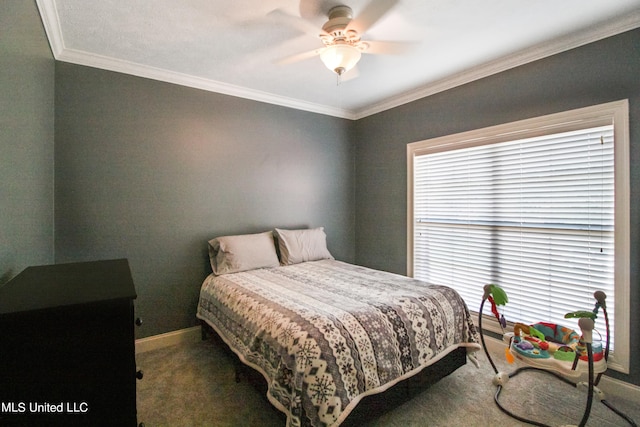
371, 407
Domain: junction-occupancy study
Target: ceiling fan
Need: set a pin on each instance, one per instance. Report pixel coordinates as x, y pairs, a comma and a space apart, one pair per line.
342, 35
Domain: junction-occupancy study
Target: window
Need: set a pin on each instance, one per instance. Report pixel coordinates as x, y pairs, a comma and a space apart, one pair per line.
539, 207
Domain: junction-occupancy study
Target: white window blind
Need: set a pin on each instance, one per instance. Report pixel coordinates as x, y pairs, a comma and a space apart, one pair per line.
540, 207
535, 216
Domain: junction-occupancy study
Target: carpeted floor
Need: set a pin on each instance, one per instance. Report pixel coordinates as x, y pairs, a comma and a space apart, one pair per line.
194, 385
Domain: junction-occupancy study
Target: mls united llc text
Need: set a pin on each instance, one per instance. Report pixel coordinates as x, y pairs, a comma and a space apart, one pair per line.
44, 408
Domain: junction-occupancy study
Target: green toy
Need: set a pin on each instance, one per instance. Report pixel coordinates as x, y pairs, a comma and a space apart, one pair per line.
581, 313
499, 295
536, 333
496, 296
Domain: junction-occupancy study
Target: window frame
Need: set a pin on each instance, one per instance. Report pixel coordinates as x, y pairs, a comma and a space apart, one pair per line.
616, 112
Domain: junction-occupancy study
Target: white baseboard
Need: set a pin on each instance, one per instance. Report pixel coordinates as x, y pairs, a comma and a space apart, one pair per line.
609, 386
188, 335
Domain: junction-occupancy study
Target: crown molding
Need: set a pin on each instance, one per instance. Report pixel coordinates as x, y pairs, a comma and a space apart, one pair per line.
540, 51
51, 22
145, 71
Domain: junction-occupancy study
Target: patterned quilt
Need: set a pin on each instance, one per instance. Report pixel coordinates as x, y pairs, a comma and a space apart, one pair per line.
326, 333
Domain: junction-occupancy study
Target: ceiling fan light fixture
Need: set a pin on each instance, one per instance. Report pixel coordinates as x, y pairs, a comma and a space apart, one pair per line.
340, 58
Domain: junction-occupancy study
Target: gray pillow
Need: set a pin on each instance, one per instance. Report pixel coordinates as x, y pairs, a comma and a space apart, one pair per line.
232, 254
298, 246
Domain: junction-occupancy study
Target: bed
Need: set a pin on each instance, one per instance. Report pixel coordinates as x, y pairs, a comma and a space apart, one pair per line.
325, 333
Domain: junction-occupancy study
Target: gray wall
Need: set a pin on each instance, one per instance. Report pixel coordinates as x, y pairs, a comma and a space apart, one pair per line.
26, 140
600, 72
150, 171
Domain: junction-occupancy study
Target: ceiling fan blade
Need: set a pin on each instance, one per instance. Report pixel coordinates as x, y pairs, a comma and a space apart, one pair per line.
376, 47
375, 10
296, 22
300, 56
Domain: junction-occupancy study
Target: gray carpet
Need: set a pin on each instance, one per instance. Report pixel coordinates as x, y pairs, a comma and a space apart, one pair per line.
194, 385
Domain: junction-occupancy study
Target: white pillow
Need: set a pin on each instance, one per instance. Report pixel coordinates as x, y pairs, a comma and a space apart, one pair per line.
232, 254
298, 246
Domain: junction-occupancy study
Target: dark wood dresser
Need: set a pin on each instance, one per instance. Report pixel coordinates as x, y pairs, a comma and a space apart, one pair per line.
67, 349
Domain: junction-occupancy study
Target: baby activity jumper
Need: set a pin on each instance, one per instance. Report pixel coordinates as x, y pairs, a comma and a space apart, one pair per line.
555, 349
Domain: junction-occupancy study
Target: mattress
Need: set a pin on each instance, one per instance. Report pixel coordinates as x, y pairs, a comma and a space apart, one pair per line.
324, 334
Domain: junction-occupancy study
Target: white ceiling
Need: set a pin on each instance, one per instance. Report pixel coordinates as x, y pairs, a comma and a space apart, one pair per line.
232, 47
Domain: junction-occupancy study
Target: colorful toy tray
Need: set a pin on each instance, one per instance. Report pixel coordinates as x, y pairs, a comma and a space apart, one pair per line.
553, 347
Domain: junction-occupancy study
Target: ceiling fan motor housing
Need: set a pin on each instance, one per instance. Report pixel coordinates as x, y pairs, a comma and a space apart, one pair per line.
339, 18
